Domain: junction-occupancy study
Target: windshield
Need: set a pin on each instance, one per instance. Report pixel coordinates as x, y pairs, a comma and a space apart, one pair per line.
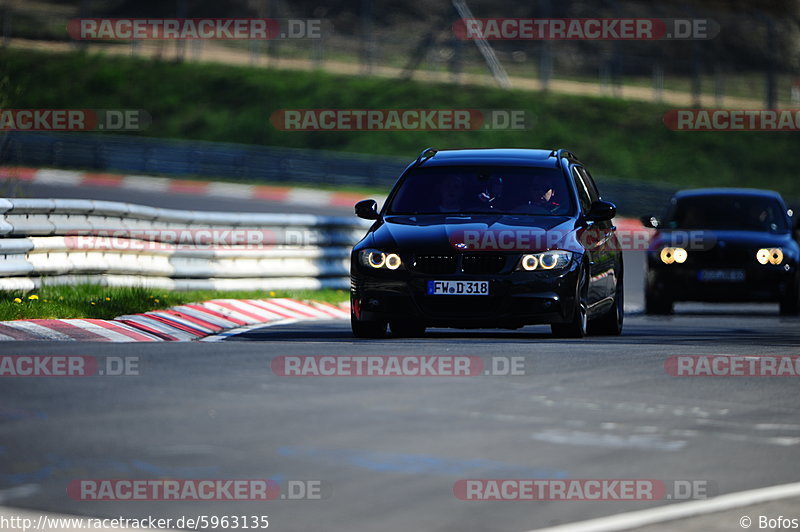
469, 190
725, 211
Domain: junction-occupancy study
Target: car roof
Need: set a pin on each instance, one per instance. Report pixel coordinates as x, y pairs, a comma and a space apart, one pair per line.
500, 156
698, 192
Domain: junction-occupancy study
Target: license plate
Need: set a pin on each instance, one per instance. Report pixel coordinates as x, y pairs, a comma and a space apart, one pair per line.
458, 288
726, 276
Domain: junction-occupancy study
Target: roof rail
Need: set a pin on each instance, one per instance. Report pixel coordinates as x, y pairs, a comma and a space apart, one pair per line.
426, 154
566, 154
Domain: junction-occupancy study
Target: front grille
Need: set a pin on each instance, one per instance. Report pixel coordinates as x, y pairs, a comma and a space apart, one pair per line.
483, 263
444, 264
724, 256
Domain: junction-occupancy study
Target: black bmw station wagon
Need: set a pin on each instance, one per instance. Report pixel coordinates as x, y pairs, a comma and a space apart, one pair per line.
489, 238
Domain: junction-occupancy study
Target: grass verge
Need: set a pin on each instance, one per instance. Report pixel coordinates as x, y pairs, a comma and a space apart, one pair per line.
90, 301
616, 138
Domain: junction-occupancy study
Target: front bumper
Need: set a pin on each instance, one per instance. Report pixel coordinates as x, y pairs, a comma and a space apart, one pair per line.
761, 283
515, 298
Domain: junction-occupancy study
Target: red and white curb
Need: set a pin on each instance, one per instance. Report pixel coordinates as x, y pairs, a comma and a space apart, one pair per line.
217, 189
184, 323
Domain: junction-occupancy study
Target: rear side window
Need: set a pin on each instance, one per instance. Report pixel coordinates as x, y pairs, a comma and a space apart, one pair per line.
583, 191
594, 195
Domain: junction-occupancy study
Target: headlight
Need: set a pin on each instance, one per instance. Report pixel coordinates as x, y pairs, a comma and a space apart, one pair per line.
380, 260
769, 256
670, 255
547, 260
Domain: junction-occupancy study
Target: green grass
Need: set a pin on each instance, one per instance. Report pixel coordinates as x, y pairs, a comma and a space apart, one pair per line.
90, 301
616, 138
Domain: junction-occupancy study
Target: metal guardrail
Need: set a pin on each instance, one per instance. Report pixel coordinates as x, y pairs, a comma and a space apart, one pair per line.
83, 241
132, 154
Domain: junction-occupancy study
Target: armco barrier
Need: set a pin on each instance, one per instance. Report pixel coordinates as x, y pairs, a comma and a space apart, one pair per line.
63, 241
143, 155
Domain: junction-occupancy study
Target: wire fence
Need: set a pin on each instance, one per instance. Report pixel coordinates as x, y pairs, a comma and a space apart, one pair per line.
753, 60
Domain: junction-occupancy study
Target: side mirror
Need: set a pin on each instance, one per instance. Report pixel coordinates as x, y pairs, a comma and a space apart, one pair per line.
367, 209
649, 221
601, 211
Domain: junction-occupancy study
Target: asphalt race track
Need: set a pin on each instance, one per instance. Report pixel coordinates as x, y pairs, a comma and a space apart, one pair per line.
389, 450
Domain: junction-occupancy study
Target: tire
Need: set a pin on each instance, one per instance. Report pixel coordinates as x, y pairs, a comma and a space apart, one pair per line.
790, 303
367, 329
610, 323
656, 304
576, 327
407, 329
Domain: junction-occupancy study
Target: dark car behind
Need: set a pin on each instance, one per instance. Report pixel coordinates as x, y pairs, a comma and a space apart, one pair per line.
723, 245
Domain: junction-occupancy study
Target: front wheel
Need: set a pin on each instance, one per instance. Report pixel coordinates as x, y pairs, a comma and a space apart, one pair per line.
367, 329
576, 327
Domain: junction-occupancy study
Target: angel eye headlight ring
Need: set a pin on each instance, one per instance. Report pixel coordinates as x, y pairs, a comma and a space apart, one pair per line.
381, 259
769, 256
546, 260
530, 262
392, 261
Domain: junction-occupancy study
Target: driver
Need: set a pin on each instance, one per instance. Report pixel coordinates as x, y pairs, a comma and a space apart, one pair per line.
542, 196
492, 193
